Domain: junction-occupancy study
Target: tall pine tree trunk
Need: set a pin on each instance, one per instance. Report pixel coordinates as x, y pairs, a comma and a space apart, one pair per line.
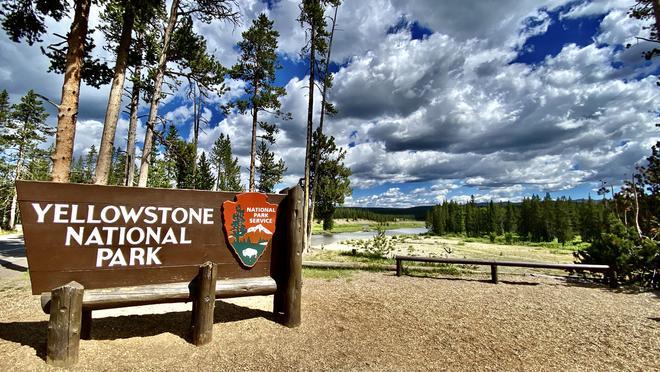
310, 123
14, 199
104, 159
155, 99
67, 110
129, 167
197, 108
656, 13
253, 148
317, 154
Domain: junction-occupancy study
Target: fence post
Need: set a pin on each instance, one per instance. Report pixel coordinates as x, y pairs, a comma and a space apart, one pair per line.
289, 278
493, 273
203, 299
399, 267
611, 278
63, 338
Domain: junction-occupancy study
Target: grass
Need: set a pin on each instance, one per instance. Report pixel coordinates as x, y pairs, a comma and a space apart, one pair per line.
347, 256
328, 274
438, 269
343, 226
459, 247
7, 232
571, 246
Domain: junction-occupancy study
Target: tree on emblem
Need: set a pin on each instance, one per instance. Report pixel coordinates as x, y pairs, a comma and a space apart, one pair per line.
238, 224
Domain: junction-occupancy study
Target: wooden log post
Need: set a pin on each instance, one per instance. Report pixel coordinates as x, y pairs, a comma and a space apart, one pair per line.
493, 273
612, 278
63, 338
399, 267
287, 299
203, 299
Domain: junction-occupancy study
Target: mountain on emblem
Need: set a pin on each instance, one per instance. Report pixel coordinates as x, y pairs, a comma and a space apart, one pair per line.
249, 224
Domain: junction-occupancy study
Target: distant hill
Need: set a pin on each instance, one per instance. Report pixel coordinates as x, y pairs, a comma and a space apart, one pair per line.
412, 213
383, 214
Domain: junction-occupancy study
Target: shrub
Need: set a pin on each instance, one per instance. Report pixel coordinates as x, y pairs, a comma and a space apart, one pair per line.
633, 260
379, 246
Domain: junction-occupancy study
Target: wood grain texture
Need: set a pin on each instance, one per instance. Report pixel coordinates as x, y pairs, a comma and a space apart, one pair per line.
63, 336
109, 298
493, 273
53, 264
203, 299
288, 298
538, 265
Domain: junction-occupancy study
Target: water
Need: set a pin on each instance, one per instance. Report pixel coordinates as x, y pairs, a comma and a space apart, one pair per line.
325, 239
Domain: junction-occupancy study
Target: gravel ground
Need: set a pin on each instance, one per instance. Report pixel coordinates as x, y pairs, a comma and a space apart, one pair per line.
370, 321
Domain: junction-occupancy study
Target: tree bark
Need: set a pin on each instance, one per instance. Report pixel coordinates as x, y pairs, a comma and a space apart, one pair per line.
67, 111
656, 13
197, 108
253, 148
634, 186
129, 168
317, 154
14, 198
155, 99
310, 123
104, 158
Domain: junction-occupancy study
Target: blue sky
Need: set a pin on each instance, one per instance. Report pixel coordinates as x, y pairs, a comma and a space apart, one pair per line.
436, 100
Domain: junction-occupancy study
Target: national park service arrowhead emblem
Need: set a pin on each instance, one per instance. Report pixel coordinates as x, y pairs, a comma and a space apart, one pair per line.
249, 224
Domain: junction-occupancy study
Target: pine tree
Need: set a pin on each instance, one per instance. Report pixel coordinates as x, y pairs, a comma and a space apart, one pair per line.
159, 176
510, 220
90, 164
117, 174
38, 168
77, 171
121, 16
313, 21
196, 62
333, 181
204, 179
238, 229
4, 110
270, 172
256, 66
22, 133
185, 157
228, 170
326, 107
25, 19
562, 223
170, 155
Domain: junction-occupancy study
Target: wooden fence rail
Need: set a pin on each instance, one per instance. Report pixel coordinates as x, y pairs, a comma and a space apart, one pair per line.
494, 264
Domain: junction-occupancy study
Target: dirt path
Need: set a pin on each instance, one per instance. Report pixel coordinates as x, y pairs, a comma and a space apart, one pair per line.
370, 321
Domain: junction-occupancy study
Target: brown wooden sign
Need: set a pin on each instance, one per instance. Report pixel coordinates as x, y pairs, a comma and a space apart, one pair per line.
107, 236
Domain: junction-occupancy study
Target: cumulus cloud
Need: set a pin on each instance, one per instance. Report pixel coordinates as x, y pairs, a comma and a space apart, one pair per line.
433, 109
447, 111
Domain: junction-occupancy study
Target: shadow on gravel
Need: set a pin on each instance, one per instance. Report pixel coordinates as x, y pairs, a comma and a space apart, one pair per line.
176, 323
12, 266
464, 279
33, 334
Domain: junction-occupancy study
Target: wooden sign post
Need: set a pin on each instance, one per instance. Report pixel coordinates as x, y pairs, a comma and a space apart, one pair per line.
124, 246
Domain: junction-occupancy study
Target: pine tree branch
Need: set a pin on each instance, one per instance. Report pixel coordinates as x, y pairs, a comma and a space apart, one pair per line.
47, 100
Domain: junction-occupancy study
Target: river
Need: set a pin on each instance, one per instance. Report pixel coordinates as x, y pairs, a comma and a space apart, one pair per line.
325, 239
